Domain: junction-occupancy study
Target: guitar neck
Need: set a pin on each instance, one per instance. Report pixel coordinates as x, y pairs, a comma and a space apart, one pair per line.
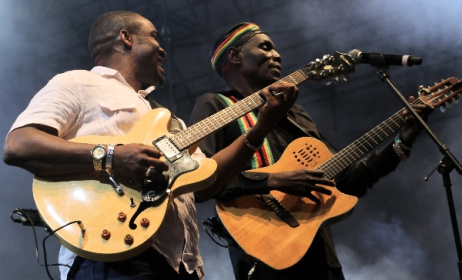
363, 145
200, 130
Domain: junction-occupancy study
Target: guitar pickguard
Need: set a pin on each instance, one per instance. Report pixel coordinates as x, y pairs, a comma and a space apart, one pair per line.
182, 164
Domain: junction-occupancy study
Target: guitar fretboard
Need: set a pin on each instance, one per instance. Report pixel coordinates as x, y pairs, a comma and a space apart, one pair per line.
364, 144
200, 130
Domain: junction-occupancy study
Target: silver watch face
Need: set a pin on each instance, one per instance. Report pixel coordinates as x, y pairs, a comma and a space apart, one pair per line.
99, 152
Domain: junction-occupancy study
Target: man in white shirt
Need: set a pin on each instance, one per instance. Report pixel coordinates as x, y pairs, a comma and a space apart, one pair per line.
109, 100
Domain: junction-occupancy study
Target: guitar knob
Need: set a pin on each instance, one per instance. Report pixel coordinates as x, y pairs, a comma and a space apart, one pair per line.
122, 217
128, 239
106, 234
144, 222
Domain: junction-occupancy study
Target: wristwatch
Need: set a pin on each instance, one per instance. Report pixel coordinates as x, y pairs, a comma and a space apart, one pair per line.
99, 155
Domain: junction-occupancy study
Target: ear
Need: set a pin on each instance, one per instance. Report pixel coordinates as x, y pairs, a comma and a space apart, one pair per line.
126, 38
233, 55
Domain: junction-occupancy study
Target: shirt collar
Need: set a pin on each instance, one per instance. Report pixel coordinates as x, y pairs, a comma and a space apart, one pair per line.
110, 73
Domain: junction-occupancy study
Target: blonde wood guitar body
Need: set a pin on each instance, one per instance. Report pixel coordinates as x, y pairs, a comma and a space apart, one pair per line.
259, 231
106, 218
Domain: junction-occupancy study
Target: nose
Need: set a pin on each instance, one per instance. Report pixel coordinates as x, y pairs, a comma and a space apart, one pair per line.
162, 53
276, 56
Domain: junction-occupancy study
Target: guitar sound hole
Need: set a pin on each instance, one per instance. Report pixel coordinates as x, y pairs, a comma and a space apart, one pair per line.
142, 206
306, 155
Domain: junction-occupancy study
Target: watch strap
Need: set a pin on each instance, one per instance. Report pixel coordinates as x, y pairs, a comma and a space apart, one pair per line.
98, 163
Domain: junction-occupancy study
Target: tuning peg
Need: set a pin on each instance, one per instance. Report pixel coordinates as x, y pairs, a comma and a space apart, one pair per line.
345, 77
333, 70
423, 90
327, 58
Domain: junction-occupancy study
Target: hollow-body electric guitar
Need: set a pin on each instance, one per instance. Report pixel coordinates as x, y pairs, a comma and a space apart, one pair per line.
278, 229
103, 218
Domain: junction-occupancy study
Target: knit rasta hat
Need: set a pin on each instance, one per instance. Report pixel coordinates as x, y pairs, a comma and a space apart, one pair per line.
236, 36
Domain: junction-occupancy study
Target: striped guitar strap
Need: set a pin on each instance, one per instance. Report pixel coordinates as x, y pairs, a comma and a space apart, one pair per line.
263, 156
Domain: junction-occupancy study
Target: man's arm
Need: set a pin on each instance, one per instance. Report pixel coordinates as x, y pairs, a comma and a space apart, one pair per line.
36, 148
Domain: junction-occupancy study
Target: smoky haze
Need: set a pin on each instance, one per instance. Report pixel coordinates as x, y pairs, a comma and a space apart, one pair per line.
400, 230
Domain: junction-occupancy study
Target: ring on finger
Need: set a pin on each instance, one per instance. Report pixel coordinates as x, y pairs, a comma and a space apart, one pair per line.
278, 93
148, 172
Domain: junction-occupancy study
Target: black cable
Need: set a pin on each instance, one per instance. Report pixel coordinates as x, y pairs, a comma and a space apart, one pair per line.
45, 252
30, 217
213, 227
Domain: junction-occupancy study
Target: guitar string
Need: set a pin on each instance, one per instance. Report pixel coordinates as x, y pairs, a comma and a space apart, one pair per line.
364, 144
203, 128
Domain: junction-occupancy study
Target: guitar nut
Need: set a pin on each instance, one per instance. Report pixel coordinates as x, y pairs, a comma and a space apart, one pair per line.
122, 217
106, 234
144, 222
128, 239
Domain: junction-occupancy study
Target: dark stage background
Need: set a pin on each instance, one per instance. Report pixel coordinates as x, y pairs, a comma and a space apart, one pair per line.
401, 230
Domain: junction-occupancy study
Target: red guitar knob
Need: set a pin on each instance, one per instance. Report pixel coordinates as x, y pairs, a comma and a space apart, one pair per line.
144, 222
106, 234
128, 239
122, 217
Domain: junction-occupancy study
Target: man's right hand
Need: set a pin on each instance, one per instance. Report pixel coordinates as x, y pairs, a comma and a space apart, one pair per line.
279, 98
300, 182
134, 160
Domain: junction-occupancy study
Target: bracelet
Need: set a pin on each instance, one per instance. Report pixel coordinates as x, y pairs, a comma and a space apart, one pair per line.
247, 143
109, 155
399, 148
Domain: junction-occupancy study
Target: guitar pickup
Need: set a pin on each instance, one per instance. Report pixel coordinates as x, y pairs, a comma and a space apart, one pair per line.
168, 148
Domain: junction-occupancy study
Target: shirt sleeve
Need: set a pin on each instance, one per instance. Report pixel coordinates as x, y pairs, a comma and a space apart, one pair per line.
57, 105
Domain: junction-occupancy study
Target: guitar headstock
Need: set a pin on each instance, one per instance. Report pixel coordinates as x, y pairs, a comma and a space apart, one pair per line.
442, 94
330, 66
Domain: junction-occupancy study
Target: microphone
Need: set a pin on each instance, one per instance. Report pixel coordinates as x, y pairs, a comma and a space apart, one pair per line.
380, 59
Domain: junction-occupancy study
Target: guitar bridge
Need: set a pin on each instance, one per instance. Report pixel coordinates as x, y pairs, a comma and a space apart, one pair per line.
278, 209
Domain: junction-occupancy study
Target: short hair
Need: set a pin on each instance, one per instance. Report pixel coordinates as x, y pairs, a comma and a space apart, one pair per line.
105, 30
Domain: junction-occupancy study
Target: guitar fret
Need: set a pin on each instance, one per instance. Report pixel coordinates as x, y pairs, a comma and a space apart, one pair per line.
362, 146
225, 117
194, 133
204, 129
380, 133
294, 81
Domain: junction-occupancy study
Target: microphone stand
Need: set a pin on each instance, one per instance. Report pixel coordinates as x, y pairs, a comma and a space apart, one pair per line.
444, 167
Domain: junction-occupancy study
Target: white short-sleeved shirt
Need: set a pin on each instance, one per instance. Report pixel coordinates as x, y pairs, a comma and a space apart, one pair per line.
101, 102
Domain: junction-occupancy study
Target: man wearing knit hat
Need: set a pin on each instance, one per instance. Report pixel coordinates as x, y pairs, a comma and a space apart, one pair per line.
246, 58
